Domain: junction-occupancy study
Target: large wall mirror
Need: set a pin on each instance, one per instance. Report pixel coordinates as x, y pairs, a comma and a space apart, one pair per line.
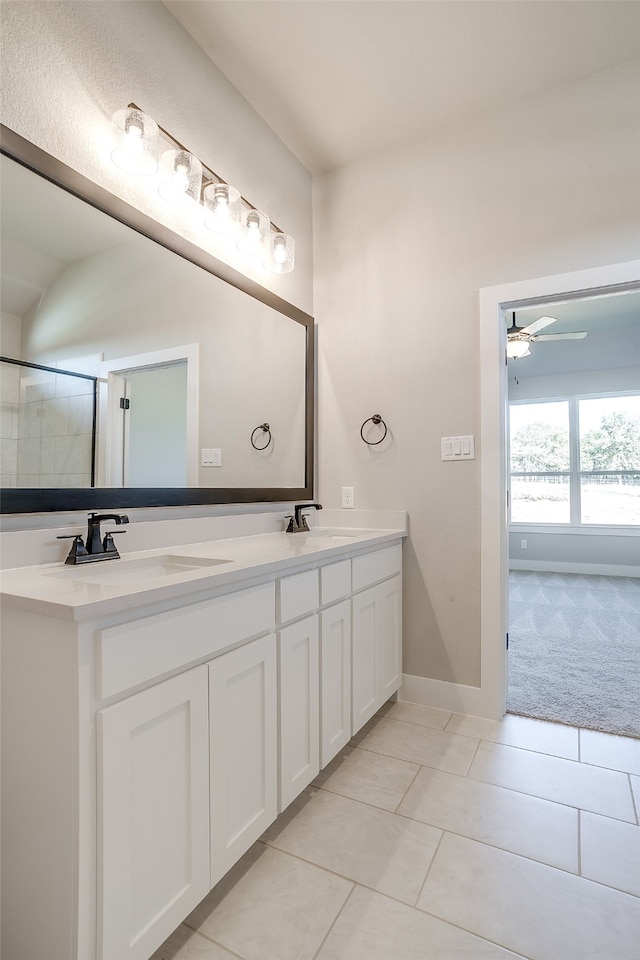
205, 379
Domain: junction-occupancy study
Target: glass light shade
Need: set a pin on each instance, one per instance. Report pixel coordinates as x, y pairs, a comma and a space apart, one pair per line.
222, 205
517, 349
135, 140
282, 251
255, 232
181, 178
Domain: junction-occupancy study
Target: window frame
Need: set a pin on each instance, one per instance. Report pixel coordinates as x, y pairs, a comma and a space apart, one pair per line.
574, 474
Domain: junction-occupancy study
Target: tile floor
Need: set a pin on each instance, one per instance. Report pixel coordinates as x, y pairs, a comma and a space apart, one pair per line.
434, 836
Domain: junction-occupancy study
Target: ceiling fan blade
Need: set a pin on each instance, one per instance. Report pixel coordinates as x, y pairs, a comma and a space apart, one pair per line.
539, 324
560, 336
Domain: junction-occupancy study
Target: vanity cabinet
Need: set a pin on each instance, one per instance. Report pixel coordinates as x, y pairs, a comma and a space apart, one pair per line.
335, 680
243, 752
153, 813
146, 748
376, 636
299, 711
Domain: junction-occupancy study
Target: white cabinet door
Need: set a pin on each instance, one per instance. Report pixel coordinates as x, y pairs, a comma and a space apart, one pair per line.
376, 640
153, 814
390, 637
365, 629
335, 680
299, 708
244, 744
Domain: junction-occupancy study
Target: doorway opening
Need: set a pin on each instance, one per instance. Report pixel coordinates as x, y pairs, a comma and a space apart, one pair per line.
495, 303
574, 515
148, 424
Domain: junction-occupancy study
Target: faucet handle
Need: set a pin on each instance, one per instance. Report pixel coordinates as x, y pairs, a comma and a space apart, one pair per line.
291, 524
78, 548
108, 545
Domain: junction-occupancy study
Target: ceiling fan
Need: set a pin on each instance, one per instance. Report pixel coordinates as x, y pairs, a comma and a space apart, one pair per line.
519, 339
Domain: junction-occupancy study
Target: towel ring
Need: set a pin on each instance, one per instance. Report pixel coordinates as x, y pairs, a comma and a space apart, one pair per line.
265, 429
376, 418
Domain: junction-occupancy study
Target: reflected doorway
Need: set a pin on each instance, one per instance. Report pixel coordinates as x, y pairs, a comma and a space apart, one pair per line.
153, 430
149, 414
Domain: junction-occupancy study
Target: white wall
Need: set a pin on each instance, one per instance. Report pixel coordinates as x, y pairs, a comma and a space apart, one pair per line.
403, 242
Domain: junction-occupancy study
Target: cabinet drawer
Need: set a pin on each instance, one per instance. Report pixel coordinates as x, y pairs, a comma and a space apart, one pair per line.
335, 582
372, 567
298, 595
143, 649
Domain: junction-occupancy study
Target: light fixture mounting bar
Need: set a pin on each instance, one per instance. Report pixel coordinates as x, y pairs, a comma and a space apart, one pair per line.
215, 177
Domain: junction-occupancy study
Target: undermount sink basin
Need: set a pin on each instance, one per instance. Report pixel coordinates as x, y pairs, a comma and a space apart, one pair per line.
139, 570
326, 533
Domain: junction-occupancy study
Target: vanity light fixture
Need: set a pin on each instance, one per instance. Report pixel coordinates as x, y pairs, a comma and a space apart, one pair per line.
181, 174
135, 141
222, 203
187, 182
281, 253
256, 228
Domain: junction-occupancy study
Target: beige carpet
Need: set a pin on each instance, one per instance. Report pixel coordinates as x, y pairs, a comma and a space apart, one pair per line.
574, 650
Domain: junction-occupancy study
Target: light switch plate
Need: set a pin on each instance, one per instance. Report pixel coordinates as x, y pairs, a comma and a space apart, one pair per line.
211, 457
457, 448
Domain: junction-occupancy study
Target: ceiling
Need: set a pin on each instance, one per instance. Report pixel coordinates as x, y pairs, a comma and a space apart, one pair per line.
31, 261
339, 80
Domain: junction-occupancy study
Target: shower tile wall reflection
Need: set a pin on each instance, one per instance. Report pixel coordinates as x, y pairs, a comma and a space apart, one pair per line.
46, 428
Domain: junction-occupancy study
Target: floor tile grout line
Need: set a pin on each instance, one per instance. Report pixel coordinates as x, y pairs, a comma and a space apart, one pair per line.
394, 756
501, 786
583, 880
428, 870
341, 876
495, 846
496, 786
424, 726
636, 805
232, 953
580, 812
403, 797
475, 754
472, 933
458, 926
553, 756
465, 836
502, 743
365, 803
335, 920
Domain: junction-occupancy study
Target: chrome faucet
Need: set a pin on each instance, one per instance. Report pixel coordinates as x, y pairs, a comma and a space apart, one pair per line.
96, 547
298, 522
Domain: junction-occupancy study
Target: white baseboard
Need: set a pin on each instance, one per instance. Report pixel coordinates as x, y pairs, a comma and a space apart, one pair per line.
455, 697
559, 566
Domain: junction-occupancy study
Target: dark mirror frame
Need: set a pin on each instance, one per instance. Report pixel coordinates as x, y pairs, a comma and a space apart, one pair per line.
45, 500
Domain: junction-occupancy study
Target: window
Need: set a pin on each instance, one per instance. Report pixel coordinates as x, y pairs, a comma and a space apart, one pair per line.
575, 461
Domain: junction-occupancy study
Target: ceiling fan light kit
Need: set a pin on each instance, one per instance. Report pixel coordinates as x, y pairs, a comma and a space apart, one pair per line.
516, 349
519, 339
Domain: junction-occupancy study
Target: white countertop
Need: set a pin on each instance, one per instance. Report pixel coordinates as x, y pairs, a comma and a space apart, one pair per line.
85, 591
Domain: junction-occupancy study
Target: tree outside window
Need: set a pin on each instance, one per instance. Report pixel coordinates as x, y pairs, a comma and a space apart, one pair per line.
576, 461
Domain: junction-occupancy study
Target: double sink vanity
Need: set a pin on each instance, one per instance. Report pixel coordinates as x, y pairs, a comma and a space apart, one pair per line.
159, 712
160, 709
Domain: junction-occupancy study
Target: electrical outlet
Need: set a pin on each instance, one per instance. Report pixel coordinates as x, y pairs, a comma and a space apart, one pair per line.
348, 498
523, 544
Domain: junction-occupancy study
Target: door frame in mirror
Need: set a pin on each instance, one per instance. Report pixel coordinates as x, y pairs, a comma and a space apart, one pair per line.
41, 500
